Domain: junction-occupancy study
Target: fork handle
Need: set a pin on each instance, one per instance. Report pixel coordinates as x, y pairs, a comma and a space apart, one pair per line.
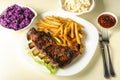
106, 73
112, 72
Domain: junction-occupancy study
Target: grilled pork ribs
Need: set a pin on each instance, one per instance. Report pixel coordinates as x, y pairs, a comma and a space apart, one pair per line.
44, 42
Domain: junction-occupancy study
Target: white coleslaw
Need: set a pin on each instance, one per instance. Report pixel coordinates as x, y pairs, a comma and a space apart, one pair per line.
76, 5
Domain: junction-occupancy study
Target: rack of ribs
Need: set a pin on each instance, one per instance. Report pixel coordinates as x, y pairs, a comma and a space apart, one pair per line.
45, 43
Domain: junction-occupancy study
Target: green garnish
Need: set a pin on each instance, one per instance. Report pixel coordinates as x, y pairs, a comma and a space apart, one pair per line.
49, 66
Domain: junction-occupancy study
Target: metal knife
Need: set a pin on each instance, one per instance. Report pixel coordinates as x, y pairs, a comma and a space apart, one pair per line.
106, 73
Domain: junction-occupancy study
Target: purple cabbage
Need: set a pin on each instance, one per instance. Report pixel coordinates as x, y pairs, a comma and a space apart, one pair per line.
16, 17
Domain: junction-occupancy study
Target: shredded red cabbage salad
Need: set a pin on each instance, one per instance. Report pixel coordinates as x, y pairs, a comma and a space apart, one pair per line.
16, 17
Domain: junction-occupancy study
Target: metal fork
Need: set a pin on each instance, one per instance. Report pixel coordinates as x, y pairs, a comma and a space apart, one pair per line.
106, 73
106, 41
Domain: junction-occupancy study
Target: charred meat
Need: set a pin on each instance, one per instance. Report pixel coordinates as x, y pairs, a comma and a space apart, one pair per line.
44, 42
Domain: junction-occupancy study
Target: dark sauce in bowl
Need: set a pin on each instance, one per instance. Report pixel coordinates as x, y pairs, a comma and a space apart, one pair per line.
106, 20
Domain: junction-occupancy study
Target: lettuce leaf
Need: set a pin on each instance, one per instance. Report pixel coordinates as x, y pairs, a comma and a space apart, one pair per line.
52, 70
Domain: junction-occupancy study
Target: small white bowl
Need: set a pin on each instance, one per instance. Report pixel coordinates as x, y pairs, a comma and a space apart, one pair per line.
90, 8
35, 15
108, 13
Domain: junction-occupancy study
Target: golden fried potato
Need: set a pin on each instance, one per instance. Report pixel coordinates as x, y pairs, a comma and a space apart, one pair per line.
64, 30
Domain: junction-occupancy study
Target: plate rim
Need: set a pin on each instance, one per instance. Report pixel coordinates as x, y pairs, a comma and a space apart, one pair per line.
56, 13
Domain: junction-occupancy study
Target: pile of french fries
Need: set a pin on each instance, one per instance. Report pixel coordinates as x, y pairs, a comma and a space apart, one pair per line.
64, 30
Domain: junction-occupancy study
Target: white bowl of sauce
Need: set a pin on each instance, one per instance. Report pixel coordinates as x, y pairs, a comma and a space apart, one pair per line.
107, 20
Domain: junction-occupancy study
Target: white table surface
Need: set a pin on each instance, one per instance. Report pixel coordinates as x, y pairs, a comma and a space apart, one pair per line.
12, 68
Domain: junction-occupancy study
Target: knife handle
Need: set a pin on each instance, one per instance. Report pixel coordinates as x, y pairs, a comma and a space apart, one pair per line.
106, 73
112, 72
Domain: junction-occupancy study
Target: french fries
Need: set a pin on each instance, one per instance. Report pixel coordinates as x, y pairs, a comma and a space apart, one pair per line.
64, 30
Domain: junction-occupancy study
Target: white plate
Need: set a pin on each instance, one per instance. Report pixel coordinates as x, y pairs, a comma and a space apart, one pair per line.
91, 41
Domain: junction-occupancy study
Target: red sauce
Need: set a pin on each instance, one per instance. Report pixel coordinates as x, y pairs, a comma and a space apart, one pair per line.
107, 21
